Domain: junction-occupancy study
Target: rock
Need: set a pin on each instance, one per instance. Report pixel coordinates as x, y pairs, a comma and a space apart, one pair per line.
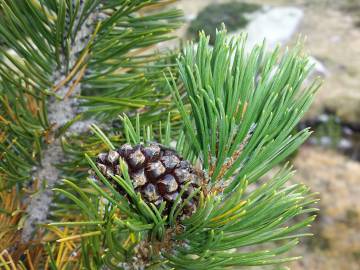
275, 24
336, 241
336, 44
319, 68
346, 105
235, 15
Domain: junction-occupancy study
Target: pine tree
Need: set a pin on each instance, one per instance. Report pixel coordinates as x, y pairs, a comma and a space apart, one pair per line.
176, 182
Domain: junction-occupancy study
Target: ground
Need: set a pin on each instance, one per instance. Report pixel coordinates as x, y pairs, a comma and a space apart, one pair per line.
336, 244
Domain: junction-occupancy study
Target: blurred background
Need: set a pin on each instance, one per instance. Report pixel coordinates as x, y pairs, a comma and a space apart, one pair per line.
329, 161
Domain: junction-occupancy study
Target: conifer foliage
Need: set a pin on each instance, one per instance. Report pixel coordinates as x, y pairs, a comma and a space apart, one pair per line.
64, 65
238, 113
179, 184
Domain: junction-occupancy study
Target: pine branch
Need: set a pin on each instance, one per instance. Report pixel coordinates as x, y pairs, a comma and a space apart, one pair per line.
238, 113
75, 47
205, 240
170, 199
60, 112
243, 106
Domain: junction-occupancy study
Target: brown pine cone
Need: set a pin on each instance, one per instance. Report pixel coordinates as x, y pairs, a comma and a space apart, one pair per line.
157, 172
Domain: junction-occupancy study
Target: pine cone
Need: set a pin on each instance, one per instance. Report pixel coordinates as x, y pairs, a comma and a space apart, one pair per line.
157, 172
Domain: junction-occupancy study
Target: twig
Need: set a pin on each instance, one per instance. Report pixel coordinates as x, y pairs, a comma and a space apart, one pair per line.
59, 113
